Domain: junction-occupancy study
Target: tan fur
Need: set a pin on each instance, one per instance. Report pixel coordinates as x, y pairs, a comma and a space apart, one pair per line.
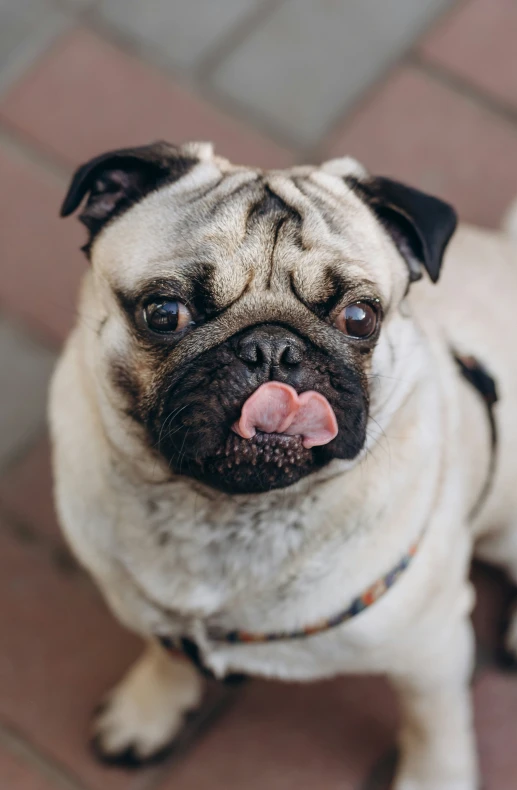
240, 562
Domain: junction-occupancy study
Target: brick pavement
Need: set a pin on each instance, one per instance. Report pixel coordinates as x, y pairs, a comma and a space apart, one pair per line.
425, 90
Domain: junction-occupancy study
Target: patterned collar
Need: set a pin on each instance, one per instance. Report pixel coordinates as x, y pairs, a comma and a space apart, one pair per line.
358, 605
190, 649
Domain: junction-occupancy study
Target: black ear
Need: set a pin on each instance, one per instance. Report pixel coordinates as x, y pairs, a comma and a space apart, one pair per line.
116, 180
420, 225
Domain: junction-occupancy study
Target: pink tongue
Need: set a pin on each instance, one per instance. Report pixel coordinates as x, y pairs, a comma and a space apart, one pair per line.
277, 408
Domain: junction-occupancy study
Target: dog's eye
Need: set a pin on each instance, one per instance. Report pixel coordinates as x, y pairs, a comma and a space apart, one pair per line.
164, 316
358, 320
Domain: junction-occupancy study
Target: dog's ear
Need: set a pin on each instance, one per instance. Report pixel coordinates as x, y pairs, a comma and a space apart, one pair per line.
420, 225
116, 180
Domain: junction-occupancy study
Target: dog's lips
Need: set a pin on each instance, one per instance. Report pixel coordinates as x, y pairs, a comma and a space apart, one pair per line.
259, 463
277, 408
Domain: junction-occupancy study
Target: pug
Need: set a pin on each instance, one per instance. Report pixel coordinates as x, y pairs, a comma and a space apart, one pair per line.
275, 438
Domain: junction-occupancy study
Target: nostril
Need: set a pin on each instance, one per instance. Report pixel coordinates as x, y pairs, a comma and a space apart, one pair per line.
270, 347
249, 351
292, 355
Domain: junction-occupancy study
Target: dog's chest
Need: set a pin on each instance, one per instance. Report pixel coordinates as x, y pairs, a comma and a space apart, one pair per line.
198, 557
255, 566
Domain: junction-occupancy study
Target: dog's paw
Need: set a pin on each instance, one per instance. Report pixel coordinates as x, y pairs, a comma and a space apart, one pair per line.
425, 781
428, 769
142, 716
438, 784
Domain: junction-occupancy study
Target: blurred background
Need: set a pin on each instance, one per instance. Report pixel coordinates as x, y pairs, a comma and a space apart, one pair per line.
422, 90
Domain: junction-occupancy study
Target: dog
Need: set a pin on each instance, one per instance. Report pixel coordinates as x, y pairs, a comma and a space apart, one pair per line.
276, 442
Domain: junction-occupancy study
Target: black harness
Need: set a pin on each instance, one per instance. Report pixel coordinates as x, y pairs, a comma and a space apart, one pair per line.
188, 648
478, 376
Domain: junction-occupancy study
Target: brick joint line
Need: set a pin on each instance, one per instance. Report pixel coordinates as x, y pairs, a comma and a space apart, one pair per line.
16, 744
235, 37
29, 151
464, 88
189, 81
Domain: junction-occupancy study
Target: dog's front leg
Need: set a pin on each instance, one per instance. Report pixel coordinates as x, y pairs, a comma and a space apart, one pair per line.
437, 743
145, 711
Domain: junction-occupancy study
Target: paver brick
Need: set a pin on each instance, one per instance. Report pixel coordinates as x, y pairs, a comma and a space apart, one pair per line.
288, 735
26, 28
87, 96
79, 4
478, 43
495, 696
26, 492
39, 254
310, 59
182, 37
420, 131
25, 367
61, 651
16, 775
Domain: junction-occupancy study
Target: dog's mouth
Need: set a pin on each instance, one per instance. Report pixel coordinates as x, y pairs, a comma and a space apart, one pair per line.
260, 463
271, 444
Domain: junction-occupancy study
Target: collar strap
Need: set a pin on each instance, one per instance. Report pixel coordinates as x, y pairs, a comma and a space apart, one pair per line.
358, 605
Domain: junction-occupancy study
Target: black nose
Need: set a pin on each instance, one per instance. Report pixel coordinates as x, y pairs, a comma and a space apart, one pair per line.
271, 347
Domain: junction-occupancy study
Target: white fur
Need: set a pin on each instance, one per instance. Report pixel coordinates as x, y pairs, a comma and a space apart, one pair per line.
345, 166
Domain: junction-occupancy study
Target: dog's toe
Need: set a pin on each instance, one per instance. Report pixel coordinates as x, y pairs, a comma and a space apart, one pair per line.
129, 758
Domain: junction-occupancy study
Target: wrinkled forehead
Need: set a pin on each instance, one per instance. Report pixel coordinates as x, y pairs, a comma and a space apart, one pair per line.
246, 227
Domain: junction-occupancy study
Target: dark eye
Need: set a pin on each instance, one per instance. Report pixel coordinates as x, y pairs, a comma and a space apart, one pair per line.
358, 320
166, 317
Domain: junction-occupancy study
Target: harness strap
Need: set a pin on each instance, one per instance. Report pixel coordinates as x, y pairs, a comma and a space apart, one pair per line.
478, 376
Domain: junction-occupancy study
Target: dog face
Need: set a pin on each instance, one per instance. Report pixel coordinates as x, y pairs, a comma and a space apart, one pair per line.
241, 312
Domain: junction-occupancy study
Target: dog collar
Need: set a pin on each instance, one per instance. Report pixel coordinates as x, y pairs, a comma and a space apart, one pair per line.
372, 594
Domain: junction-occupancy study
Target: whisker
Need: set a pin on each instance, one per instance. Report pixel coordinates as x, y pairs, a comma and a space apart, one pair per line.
382, 436
167, 422
181, 450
